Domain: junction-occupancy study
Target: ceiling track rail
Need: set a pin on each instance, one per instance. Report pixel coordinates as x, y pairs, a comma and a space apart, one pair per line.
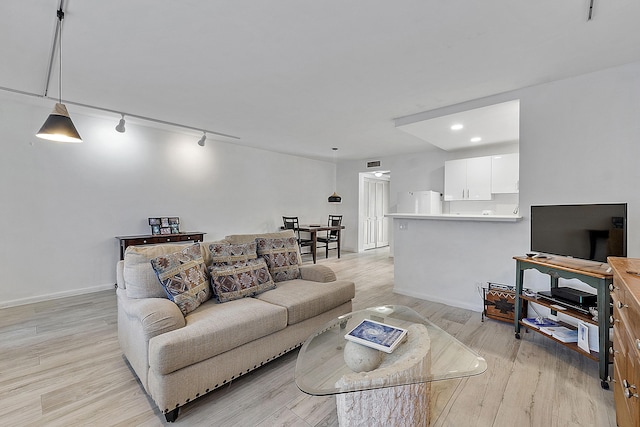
54, 45
108, 110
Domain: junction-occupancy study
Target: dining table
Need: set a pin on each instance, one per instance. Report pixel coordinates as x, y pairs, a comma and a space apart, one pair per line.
313, 230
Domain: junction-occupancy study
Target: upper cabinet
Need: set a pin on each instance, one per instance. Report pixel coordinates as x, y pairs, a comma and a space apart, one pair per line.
467, 179
505, 173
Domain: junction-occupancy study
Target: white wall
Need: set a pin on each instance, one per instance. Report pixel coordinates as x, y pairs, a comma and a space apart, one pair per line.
579, 143
63, 204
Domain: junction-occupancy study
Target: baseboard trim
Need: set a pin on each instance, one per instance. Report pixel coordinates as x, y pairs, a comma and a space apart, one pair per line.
478, 308
57, 295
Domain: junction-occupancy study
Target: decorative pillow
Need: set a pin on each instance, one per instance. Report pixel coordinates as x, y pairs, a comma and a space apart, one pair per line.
183, 275
226, 253
281, 255
139, 278
240, 280
249, 238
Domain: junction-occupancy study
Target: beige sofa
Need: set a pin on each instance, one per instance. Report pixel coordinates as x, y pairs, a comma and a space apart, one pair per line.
181, 357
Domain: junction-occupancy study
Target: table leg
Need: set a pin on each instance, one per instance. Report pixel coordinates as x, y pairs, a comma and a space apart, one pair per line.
518, 314
339, 233
314, 243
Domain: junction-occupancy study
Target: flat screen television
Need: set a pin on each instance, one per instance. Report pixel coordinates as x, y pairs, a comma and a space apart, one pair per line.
590, 231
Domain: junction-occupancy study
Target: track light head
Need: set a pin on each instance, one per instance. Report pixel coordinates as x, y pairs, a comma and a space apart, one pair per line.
203, 139
120, 128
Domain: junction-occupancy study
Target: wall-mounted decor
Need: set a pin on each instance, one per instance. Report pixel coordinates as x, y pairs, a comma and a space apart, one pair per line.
165, 225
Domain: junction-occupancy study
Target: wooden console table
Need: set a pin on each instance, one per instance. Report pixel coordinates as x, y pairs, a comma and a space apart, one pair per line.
151, 239
594, 274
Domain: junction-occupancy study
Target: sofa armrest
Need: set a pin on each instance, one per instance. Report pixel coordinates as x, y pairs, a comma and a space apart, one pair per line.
139, 320
120, 275
317, 273
155, 315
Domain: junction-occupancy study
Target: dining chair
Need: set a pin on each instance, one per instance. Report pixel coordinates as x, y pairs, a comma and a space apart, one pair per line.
332, 235
292, 223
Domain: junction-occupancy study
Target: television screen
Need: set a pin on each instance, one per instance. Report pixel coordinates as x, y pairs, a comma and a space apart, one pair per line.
591, 232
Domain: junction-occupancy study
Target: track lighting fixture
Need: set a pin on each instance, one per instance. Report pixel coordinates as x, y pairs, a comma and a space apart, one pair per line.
203, 139
58, 126
120, 128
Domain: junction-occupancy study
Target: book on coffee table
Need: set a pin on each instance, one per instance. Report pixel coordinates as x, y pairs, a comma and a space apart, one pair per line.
377, 335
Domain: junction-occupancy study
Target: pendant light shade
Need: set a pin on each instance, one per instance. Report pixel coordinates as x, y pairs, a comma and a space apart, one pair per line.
59, 127
334, 198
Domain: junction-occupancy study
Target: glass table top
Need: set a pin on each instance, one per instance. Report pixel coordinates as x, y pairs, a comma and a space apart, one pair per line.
321, 369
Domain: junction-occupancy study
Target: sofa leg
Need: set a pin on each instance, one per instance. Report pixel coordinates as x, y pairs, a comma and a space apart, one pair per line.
171, 416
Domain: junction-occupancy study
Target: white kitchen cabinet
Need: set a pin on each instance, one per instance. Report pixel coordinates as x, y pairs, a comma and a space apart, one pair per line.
468, 179
455, 179
505, 173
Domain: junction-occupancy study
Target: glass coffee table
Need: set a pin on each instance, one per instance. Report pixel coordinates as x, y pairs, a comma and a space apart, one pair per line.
429, 354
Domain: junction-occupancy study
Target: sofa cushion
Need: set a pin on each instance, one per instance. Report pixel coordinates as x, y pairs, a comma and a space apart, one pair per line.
139, 278
184, 278
242, 279
281, 255
248, 238
317, 273
212, 330
229, 254
304, 299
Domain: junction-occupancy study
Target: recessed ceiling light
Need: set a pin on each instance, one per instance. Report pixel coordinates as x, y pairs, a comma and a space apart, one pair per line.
457, 126
476, 139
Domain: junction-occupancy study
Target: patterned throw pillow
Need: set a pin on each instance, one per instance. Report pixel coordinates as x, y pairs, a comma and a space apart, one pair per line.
183, 275
281, 256
229, 254
242, 279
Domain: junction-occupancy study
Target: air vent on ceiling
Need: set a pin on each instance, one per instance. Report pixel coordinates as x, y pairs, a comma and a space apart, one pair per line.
373, 164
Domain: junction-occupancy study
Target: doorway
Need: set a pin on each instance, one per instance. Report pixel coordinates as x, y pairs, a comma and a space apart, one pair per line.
374, 205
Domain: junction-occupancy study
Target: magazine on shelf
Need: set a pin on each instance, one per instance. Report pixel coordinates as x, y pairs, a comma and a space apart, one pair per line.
377, 335
561, 333
539, 322
583, 337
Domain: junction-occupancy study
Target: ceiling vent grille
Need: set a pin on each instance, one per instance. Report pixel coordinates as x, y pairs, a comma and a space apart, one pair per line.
373, 164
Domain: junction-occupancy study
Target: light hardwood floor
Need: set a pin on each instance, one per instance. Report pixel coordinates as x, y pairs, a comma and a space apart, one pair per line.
60, 365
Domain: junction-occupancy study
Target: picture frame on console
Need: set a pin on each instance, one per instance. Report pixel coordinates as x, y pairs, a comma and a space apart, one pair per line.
165, 225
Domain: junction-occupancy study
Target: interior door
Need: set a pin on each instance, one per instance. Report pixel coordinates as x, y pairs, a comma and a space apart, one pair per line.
382, 208
369, 222
375, 225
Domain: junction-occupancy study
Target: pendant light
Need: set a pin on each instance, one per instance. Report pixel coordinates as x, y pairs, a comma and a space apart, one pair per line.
334, 198
58, 126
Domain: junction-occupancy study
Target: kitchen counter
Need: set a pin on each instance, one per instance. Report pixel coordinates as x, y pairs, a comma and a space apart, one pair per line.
457, 217
446, 258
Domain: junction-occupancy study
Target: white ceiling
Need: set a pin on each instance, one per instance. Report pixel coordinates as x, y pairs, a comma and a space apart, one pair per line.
299, 76
491, 125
